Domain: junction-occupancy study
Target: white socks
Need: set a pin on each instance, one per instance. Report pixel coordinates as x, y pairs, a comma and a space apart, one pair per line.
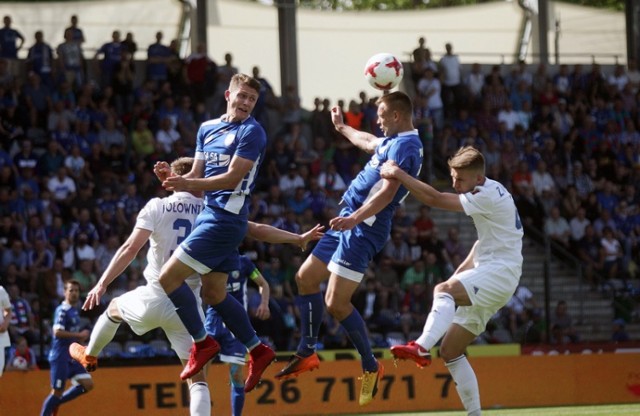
102, 334
438, 321
466, 384
200, 404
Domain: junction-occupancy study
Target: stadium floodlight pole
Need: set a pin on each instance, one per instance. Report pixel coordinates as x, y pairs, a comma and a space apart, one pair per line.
543, 30
632, 20
287, 31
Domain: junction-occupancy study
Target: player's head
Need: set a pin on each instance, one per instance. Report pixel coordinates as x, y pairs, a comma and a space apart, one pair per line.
467, 169
241, 97
71, 291
181, 166
395, 113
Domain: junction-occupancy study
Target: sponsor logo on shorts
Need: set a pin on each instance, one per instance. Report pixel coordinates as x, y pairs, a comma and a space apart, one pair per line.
476, 289
344, 262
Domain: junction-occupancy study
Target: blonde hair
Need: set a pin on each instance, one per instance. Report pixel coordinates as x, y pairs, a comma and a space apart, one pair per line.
244, 79
467, 158
182, 165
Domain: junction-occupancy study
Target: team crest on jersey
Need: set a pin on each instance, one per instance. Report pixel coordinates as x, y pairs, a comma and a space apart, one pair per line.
229, 138
235, 274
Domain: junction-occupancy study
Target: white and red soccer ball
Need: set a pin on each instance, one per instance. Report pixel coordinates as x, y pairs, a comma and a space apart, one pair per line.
383, 71
20, 363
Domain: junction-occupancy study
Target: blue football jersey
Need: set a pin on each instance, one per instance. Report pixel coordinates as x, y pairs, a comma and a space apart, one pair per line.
406, 150
216, 143
237, 280
67, 318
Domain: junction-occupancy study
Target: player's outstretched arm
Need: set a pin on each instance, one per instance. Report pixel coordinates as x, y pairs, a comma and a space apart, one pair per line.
423, 192
360, 139
273, 235
120, 261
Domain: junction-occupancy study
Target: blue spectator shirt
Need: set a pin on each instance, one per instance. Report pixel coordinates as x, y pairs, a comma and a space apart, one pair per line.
217, 143
41, 58
157, 71
8, 38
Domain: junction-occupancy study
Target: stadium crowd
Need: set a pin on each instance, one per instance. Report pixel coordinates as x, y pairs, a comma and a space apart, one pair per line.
79, 139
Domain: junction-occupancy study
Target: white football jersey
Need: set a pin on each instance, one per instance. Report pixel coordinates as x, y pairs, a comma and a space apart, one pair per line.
497, 221
170, 221
5, 303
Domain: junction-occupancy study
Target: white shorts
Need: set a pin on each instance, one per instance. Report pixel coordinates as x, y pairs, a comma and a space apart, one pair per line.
489, 286
148, 307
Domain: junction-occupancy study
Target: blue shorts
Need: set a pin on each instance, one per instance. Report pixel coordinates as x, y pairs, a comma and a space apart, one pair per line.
64, 369
231, 350
213, 243
348, 253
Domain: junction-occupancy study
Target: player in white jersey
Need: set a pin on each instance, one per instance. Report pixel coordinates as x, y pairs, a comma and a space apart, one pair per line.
483, 283
165, 223
5, 319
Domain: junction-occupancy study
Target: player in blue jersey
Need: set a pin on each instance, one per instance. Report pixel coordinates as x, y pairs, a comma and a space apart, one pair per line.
358, 234
229, 152
65, 331
483, 283
231, 350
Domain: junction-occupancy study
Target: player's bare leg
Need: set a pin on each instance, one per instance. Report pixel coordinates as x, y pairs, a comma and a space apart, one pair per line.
103, 333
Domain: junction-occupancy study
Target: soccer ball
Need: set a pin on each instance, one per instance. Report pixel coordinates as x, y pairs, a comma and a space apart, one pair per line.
383, 71
20, 363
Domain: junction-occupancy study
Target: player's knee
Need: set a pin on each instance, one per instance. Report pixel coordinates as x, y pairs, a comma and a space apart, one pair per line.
306, 283
213, 297
113, 309
87, 385
235, 374
337, 309
442, 287
448, 353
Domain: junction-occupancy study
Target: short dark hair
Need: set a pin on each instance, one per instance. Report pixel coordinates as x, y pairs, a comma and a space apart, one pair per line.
397, 101
71, 282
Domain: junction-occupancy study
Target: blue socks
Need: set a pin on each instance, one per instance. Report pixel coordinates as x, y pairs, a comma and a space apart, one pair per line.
72, 393
237, 389
236, 319
51, 402
187, 308
357, 331
237, 400
311, 308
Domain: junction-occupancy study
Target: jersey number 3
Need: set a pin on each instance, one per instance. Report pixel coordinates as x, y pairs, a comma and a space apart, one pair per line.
183, 226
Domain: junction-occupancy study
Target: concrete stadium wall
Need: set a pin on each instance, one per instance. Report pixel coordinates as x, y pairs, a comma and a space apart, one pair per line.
505, 382
332, 47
